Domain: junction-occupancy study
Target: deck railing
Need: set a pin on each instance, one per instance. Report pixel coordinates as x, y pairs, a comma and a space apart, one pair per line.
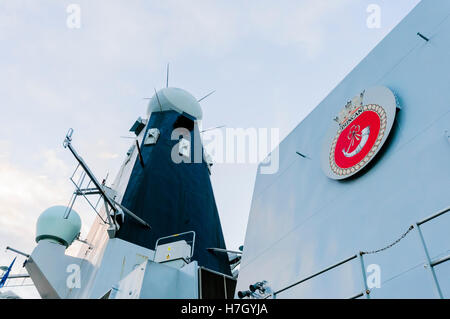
360, 256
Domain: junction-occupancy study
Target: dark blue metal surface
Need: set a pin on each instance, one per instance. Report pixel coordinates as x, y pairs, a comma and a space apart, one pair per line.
173, 198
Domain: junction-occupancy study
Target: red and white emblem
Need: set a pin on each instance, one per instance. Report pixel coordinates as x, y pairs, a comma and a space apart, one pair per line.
361, 131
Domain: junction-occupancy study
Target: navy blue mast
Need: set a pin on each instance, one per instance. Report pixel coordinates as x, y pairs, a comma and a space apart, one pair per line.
174, 198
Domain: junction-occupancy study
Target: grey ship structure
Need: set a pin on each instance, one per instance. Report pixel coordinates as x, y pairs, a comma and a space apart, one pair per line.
359, 207
158, 234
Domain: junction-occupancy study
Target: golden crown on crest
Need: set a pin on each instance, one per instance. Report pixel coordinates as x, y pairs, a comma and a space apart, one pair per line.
350, 108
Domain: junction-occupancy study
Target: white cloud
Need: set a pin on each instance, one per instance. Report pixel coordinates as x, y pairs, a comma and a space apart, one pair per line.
25, 194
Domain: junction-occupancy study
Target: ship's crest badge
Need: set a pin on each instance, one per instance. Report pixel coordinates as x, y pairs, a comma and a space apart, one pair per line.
363, 125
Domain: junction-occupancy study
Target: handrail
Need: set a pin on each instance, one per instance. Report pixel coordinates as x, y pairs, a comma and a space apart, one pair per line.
442, 212
440, 261
432, 263
18, 276
317, 273
18, 252
357, 296
177, 235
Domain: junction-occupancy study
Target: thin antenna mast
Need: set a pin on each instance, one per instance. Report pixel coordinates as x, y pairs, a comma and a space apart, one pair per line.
157, 97
207, 95
167, 79
212, 128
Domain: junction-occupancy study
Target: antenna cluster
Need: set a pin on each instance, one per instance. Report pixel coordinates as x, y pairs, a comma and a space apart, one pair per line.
167, 85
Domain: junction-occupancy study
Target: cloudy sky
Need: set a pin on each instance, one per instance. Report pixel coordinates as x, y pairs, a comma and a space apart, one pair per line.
271, 63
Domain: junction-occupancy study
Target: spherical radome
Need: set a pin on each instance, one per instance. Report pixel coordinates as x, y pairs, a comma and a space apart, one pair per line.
177, 100
51, 225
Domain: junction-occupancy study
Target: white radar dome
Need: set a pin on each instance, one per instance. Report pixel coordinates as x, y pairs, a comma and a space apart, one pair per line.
177, 100
52, 226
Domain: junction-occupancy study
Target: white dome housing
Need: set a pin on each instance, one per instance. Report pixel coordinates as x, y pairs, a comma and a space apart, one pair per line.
177, 100
52, 226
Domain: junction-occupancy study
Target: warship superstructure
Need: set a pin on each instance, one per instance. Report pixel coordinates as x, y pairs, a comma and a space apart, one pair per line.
157, 233
359, 207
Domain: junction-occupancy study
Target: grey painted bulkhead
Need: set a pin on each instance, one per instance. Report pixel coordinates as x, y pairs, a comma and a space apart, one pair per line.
301, 221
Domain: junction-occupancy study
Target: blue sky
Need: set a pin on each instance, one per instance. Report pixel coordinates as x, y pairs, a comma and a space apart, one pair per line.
271, 63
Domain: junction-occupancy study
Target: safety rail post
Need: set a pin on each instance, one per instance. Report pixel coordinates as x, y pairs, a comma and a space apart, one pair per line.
364, 277
429, 263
